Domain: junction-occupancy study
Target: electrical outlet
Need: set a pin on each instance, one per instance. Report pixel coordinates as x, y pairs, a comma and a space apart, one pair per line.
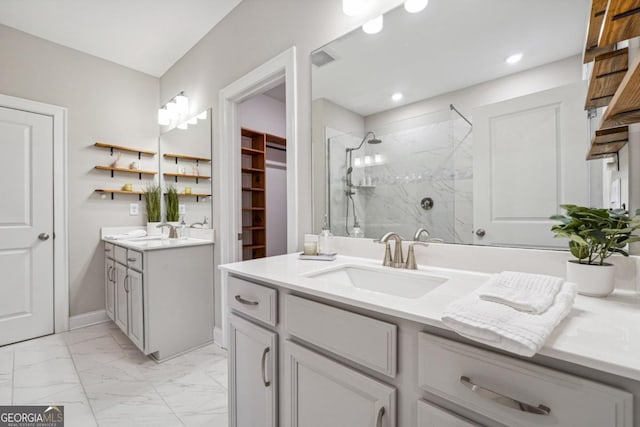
134, 209
182, 209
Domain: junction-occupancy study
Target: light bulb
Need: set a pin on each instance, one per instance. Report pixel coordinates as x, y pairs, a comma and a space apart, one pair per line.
415, 6
353, 7
367, 160
183, 125
163, 117
357, 162
203, 115
183, 104
374, 26
513, 59
396, 96
193, 120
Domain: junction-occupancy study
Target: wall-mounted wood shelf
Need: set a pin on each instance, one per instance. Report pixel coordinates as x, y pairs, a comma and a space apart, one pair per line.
198, 196
113, 192
186, 157
186, 176
592, 48
608, 71
621, 22
138, 172
113, 147
607, 142
624, 107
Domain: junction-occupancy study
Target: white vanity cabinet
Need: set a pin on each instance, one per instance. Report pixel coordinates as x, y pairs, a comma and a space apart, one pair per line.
161, 299
252, 367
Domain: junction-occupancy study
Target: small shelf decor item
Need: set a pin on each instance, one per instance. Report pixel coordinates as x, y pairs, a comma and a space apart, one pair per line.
152, 199
173, 208
594, 235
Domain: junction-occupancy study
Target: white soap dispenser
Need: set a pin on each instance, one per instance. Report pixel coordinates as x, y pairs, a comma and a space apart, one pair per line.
324, 238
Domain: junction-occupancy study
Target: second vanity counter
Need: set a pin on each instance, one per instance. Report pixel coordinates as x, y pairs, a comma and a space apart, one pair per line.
599, 333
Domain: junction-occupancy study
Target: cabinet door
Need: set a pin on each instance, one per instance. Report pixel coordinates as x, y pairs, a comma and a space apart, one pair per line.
109, 287
121, 298
252, 374
136, 308
321, 393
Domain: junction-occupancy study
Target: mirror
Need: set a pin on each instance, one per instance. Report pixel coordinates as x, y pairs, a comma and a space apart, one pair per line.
185, 164
466, 118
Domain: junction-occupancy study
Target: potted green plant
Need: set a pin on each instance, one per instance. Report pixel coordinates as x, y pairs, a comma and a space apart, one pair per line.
173, 208
594, 235
152, 200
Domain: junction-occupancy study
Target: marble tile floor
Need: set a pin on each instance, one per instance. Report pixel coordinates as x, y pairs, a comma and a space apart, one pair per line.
103, 380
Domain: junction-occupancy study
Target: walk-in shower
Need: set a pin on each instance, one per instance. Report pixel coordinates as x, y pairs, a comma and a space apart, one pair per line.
349, 184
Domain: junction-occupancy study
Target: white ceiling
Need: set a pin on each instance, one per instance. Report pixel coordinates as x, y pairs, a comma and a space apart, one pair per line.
450, 45
146, 35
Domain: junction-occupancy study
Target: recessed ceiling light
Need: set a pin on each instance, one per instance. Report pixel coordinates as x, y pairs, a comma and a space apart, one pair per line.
415, 6
513, 59
373, 26
396, 96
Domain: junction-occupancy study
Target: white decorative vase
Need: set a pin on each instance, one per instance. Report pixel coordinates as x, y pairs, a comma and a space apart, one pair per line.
592, 280
152, 229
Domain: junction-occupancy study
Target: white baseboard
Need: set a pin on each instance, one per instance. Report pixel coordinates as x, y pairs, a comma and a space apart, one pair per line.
87, 319
217, 336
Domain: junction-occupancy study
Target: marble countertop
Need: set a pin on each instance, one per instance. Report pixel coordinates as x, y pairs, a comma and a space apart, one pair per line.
153, 243
599, 333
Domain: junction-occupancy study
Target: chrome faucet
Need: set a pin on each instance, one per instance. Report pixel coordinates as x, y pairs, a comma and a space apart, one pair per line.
173, 234
411, 257
397, 261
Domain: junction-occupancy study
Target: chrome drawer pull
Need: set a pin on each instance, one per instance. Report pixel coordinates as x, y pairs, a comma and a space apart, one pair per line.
380, 415
132, 259
504, 400
264, 369
245, 301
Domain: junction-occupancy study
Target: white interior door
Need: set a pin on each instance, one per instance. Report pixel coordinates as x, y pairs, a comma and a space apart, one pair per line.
529, 157
26, 225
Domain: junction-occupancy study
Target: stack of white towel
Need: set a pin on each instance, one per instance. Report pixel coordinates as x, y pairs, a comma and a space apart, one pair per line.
133, 234
512, 311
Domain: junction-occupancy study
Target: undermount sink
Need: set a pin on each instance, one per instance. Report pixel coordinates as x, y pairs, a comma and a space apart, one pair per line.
401, 283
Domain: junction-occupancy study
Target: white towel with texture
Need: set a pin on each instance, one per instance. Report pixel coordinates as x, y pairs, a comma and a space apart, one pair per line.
130, 235
503, 327
532, 293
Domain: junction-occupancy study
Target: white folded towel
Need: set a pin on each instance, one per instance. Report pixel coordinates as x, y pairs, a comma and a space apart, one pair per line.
130, 235
504, 327
532, 293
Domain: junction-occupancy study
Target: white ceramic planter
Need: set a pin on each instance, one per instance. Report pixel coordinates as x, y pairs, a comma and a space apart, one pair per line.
592, 280
152, 229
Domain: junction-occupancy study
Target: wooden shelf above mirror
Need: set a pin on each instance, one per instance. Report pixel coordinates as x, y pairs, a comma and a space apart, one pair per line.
608, 71
607, 142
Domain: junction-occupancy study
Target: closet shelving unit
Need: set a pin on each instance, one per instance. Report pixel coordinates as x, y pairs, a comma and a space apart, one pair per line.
254, 215
614, 82
140, 152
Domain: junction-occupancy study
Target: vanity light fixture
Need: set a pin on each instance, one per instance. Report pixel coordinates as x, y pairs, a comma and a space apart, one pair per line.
193, 120
373, 26
163, 117
396, 96
415, 6
367, 160
357, 162
202, 116
174, 111
377, 158
183, 125
513, 59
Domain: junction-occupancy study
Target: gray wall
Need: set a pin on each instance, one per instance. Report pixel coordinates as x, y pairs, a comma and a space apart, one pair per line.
105, 102
253, 33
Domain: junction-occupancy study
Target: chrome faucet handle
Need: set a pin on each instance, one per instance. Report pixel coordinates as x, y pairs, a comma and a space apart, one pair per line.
173, 234
419, 232
397, 261
411, 256
387, 261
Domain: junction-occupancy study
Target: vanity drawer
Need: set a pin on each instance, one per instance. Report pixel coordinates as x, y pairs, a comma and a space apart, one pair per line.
120, 254
253, 300
369, 342
134, 259
430, 415
108, 250
475, 378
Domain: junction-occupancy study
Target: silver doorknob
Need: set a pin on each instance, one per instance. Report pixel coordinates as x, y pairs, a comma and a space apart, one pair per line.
480, 232
43, 236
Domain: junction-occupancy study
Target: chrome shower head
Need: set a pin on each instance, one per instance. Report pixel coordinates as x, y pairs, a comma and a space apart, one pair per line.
375, 141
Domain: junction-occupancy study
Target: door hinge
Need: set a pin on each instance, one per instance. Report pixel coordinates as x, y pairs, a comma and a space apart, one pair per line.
239, 236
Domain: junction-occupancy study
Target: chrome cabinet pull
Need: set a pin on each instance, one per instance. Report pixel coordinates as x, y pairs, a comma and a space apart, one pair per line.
245, 301
504, 400
107, 249
380, 415
109, 275
132, 259
126, 280
264, 369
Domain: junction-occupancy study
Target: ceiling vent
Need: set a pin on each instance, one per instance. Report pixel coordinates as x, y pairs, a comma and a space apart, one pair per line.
320, 58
